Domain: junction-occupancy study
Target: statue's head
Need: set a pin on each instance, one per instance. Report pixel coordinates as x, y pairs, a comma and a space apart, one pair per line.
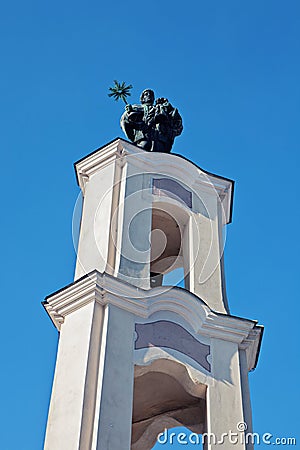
147, 97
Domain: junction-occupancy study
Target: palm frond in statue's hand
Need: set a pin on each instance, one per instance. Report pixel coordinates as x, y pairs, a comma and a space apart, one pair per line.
120, 91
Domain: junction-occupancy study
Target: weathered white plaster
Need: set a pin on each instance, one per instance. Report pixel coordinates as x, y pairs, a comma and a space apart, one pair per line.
246, 397
93, 377
206, 251
67, 410
224, 397
95, 223
114, 430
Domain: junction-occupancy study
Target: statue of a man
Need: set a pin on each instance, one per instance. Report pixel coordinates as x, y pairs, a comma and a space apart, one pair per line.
150, 126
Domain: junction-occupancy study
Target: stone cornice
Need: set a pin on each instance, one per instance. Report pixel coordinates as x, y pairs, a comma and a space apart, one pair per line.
105, 289
89, 165
169, 164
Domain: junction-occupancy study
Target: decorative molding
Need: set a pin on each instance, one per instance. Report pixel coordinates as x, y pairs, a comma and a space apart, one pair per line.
252, 346
106, 289
88, 166
164, 164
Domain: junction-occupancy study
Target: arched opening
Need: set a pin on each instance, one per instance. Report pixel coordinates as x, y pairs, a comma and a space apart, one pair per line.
165, 397
168, 226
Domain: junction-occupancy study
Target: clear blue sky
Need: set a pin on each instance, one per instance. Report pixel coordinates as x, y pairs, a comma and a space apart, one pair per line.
233, 70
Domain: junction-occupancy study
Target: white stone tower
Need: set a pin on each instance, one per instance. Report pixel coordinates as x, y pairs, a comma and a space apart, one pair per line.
136, 357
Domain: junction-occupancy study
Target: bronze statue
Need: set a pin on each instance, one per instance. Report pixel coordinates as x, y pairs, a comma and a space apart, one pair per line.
150, 126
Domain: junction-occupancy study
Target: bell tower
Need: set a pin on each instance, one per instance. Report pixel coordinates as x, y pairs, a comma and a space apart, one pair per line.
137, 357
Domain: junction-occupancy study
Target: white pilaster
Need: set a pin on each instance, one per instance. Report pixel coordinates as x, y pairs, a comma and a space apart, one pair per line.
224, 398
91, 403
115, 413
72, 402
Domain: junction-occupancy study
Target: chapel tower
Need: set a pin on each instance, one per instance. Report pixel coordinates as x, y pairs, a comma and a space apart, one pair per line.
135, 356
